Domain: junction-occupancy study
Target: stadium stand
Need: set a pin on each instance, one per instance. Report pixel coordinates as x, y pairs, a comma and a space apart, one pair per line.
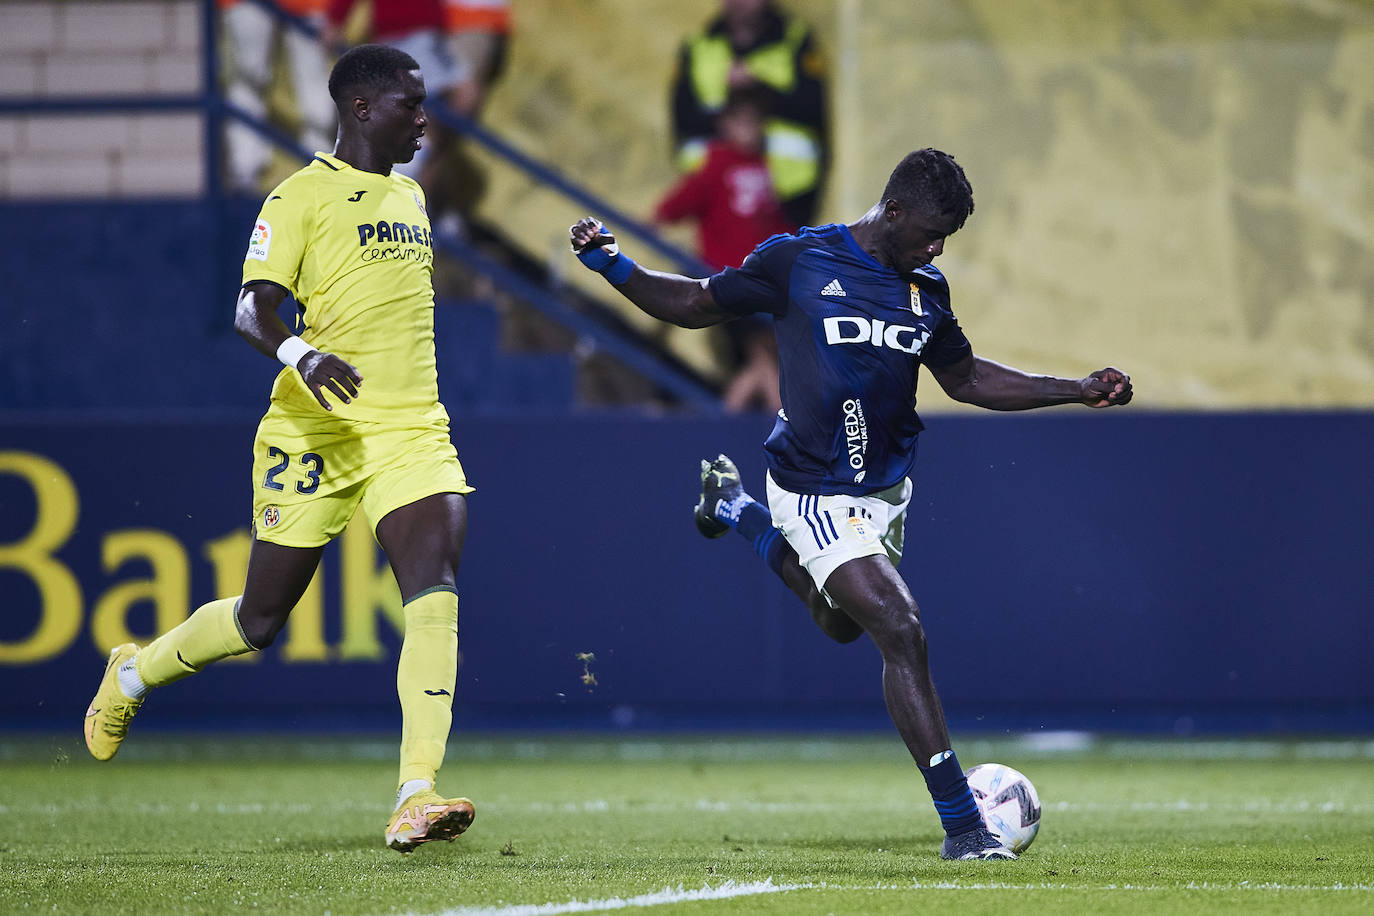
112, 105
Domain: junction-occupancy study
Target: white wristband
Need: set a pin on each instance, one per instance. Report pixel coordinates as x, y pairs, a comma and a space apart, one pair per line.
292, 350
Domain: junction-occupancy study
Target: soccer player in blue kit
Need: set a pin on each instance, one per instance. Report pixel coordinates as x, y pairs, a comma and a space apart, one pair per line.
857, 310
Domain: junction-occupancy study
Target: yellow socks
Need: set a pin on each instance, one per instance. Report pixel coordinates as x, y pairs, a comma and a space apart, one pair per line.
425, 677
425, 680
208, 635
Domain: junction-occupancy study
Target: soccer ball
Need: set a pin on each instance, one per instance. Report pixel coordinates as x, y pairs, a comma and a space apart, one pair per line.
1009, 803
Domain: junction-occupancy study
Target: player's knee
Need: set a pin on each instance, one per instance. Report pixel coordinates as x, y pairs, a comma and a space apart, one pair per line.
912, 634
899, 631
261, 629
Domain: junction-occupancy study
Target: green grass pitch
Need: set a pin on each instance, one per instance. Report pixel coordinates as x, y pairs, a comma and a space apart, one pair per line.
681, 825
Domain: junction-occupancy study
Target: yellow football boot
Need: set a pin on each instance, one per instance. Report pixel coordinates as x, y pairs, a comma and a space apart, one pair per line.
425, 817
107, 718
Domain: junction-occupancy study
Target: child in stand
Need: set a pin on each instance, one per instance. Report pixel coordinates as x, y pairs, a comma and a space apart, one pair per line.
732, 201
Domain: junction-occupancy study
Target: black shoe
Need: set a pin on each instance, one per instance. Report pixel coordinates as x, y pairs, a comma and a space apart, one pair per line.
978, 843
719, 483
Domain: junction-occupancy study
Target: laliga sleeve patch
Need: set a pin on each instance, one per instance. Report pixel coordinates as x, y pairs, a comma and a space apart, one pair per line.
261, 240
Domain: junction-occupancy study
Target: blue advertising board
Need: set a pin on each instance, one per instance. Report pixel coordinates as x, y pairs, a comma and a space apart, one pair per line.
1074, 569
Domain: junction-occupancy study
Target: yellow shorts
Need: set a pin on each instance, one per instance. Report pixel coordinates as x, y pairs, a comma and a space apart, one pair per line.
311, 474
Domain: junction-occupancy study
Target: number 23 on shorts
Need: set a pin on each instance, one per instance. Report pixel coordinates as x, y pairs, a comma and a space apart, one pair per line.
311, 463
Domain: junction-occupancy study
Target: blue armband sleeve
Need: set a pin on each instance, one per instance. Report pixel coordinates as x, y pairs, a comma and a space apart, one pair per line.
608, 261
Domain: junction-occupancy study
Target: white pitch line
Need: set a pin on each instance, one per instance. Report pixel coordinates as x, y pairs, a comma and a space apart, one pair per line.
732, 889
658, 898
1190, 886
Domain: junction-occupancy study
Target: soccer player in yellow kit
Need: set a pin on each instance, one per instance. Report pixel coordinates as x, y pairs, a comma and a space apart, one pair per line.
350, 240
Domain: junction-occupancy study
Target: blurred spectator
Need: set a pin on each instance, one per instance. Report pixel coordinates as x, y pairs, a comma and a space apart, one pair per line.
253, 33
754, 43
755, 384
477, 35
403, 24
460, 46
730, 196
415, 27
731, 199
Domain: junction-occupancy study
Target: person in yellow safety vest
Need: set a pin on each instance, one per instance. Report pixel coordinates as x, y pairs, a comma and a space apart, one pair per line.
753, 42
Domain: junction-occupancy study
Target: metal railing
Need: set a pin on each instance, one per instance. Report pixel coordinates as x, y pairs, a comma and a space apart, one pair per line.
551, 301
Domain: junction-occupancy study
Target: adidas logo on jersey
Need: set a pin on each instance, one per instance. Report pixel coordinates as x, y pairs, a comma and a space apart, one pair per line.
833, 288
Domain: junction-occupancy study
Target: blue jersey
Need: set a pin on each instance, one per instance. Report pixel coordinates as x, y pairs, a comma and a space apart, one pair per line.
852, 335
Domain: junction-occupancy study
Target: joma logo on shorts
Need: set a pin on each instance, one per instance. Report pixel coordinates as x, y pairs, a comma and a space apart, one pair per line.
855, 329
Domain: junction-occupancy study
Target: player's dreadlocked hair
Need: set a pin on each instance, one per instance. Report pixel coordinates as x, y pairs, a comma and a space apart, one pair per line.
932, 182
373, 67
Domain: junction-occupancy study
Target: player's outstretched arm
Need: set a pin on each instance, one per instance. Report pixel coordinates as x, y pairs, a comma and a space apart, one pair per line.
257, 321
679, 300
979, 381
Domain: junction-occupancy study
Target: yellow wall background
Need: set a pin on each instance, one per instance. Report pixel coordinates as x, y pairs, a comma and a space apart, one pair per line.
1182, 189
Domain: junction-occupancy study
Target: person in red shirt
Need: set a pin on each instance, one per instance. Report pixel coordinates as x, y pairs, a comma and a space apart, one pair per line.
731, 196
732, 201
395, 22
415, 27
460, 46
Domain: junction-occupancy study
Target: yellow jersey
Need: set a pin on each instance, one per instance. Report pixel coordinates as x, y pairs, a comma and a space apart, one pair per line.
354, 250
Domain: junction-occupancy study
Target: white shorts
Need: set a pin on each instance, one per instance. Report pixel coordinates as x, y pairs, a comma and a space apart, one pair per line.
827, 531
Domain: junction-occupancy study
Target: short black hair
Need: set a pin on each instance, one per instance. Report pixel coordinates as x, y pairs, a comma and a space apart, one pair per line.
375, 68
931, 182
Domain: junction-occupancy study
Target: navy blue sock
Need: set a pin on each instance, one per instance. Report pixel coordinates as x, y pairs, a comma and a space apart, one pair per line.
752, 519
770, 545
953, 801
755, 522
